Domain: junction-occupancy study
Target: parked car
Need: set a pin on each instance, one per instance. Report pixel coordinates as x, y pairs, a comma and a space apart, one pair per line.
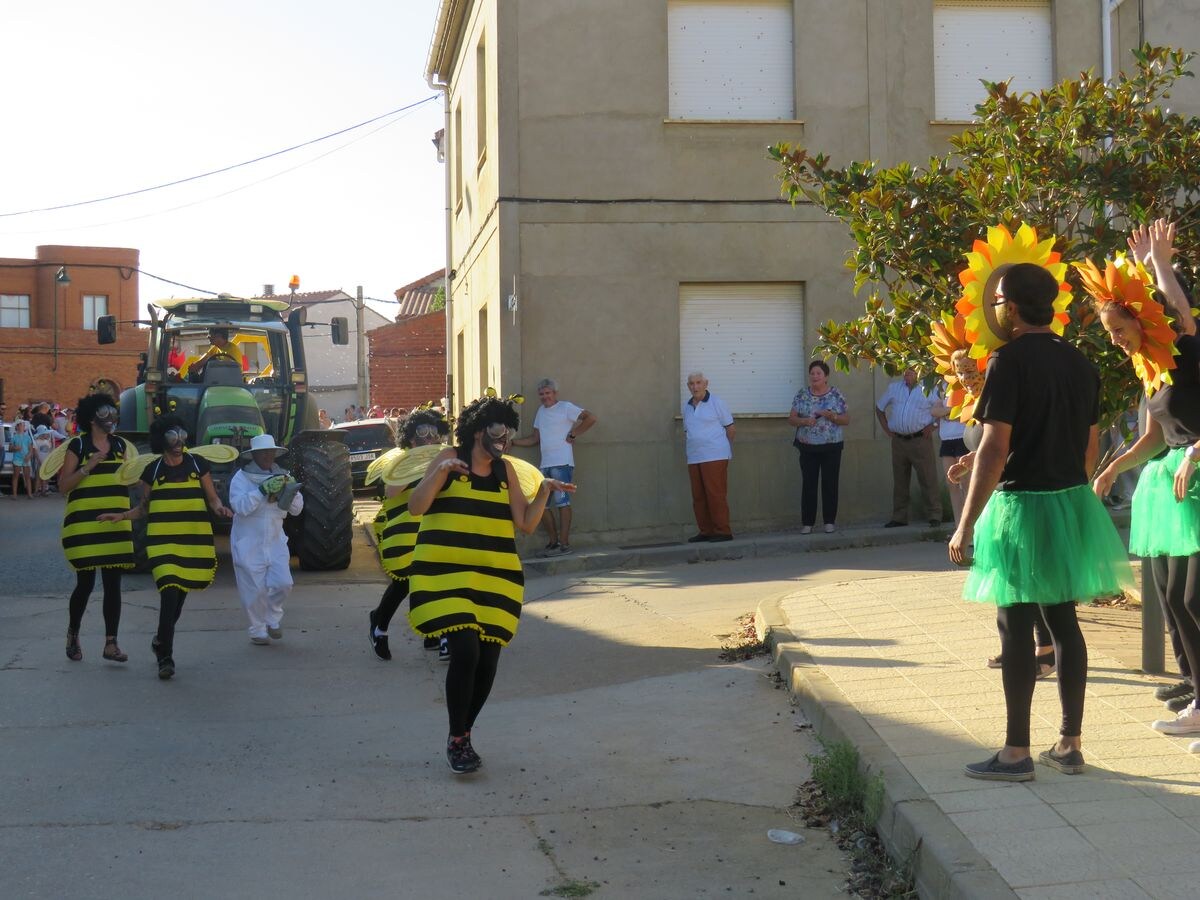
366, 439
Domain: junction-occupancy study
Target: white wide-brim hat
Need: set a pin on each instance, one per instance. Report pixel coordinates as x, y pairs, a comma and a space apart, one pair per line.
263, 442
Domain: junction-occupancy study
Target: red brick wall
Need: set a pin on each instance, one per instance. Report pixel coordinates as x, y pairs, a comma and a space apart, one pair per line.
408, 361
27, 359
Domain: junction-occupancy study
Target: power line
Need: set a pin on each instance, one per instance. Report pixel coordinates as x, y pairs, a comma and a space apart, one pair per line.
157, 187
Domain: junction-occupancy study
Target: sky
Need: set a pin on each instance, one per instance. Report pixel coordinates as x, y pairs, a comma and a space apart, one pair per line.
106, 98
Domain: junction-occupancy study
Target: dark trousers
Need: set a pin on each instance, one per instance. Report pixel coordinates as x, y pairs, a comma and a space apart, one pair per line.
710, 483
392, 597
909, 454
1178, 582
469, 679
85, 582
170, 607
1018, 667
819, 463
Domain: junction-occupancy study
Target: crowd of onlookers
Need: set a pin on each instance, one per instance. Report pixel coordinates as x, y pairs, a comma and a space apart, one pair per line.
31, 435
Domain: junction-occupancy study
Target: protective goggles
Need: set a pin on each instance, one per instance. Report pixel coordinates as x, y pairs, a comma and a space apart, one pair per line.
106, 415
497, 430
175, 437
426, 431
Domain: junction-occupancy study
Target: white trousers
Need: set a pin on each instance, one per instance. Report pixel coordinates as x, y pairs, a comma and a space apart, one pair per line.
263, 587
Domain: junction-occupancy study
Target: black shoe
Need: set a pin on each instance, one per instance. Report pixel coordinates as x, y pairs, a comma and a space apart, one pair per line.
1070, 763
894, 524
431, 643
470, 751
166, 668
379, 643
718, 538
1165, 692
154, 645
994, 770
698, 539
1180, 702
443, 650
935, 523
460, 757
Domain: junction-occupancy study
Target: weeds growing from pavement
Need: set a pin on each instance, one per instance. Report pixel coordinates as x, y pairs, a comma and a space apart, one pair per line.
744, 643
847, 800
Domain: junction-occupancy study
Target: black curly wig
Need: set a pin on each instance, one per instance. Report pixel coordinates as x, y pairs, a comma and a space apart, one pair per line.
161, 426
408, 425
484, 412
86, 408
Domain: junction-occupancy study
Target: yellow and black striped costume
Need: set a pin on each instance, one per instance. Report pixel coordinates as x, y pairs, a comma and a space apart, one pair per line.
179, 535
396, 533
465, 572
89, 544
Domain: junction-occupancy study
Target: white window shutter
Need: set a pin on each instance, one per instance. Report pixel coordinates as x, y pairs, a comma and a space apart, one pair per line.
731, 60
748, 340
975, 40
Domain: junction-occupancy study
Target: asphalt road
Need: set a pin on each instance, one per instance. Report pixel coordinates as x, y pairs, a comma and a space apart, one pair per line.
620, 751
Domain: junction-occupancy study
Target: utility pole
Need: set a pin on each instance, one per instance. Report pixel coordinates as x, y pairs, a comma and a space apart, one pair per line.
362, 349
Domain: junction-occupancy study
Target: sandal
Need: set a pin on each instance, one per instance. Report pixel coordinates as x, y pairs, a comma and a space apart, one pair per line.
74, 651
1046, 669
113, 652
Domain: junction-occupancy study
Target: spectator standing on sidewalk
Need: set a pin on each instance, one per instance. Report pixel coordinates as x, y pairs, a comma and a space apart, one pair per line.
819, 415
709, 433
22, 449
1040, 537
555, 427
904, 411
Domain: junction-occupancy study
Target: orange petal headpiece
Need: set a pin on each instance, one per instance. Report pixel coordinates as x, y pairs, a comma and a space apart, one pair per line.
1126, 283
985, 265
946, 337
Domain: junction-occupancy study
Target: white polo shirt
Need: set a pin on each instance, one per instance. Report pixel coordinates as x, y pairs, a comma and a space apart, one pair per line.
554, 424
704, 426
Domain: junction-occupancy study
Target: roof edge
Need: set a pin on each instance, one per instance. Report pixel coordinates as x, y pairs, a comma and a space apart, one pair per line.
447, 30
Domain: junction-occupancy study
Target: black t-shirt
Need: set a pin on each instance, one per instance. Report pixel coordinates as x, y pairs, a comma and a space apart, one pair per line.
182, 472
1050, 394
1176, 406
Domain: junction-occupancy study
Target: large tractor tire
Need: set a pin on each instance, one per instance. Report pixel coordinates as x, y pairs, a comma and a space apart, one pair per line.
321, 536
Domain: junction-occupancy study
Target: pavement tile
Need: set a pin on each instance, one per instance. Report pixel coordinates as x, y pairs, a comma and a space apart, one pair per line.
1111, 836
1010, 818
1044, 856
1123, 811
1165, 859
1174, 764
1151, 744
1081, 788
1185, 806
1121, 889
1167, 887
979, 799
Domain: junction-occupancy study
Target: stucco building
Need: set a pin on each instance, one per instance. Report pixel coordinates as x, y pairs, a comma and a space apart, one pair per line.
48, 311
614, 221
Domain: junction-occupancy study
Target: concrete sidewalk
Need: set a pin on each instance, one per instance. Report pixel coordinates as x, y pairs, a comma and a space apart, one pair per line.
896, 664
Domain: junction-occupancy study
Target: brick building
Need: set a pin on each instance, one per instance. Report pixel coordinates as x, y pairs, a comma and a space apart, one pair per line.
48, 348
408, 358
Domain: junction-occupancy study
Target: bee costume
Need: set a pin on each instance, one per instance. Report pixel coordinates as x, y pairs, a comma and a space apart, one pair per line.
179, 535
89, 544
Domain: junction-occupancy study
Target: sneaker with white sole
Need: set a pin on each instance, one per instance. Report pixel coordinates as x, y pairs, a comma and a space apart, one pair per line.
1187, 722
1178, 703
830, 528
1194, 747
444, 650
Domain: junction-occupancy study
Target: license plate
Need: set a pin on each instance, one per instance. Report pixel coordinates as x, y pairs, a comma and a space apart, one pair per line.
361, 457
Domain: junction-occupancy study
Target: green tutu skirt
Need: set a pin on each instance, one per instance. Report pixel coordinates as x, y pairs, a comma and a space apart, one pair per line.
1046, 547
1160, 525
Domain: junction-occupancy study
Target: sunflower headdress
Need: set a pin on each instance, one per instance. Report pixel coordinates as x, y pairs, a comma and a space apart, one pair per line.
947, 337
1126, 283
986, 263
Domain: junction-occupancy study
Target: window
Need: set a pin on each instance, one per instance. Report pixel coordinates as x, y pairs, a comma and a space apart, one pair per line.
484, 374
731, 60
94, 306
14, 310
973, 39
481, 121
748, 339
458, 136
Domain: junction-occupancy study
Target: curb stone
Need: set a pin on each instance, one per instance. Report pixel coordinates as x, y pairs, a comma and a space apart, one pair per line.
947, 865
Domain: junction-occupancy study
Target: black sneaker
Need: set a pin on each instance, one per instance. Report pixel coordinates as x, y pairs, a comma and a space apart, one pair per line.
431, 643
1070, 763
1165, 692
166, 668
154, 645
994, 770
698, 539
379, 643
469, 751
551, 548
1181, 702
460, 757
443, 650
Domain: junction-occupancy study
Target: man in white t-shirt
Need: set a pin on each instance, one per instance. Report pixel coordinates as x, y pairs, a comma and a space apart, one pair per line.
708, 430
555, 427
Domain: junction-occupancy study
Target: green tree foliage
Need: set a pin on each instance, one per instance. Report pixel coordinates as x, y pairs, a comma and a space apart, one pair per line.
1084, 161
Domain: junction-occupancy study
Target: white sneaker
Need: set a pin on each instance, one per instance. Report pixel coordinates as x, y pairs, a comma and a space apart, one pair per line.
829, 527
1194, 747
1186, 722
807, 529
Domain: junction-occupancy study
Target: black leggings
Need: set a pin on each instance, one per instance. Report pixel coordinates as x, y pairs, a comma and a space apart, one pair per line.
1178, 582
85, 582
469, 680
821, 462
390, 602
169, 609
1019, 670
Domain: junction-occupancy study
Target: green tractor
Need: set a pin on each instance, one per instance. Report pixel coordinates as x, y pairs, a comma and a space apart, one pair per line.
233, 369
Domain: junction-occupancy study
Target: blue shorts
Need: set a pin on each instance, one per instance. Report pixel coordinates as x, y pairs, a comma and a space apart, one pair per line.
559, 499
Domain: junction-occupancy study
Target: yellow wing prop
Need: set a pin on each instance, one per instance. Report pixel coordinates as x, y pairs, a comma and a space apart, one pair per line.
54, 460
410, 465
529, 477
216, 453
380, 463
131, 470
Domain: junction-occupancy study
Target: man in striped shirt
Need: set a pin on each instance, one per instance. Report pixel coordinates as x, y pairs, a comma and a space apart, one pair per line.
904, 413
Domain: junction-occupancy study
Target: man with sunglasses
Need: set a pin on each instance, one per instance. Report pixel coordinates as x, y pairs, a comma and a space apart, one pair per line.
555, 427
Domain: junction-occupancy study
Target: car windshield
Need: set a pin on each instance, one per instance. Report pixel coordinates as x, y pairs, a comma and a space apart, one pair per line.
368, 437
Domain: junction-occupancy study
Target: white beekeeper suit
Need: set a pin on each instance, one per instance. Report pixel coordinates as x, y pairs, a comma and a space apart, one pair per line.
261, 560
